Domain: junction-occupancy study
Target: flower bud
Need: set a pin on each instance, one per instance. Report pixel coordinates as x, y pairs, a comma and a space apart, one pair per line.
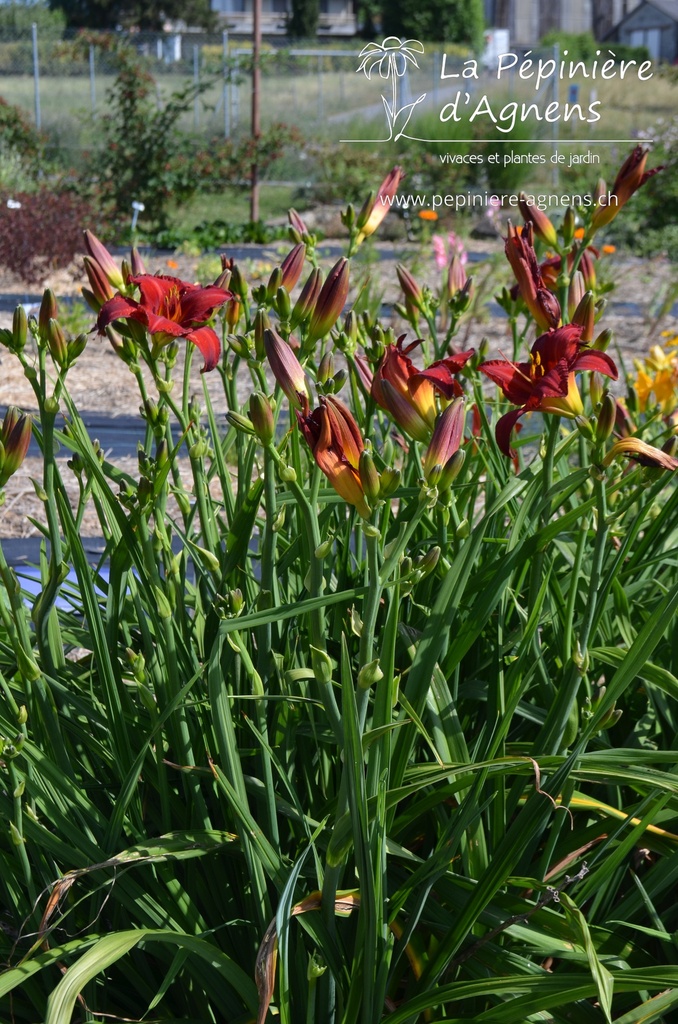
584, 427
606, 419
330, 302
542, 226
238, 344
569, 224
603, 340
238, 283
575, 293
389, 481
137, 264
413, 293
224, 279
286, 368
369, 477
240, 423
596, 388
282, 303
456, 276
585, 313
292, 266
274, 282
100, 286
376, 208
425, 564
57, 343
98, 252
261, 415
48, 311
15, 437
325, 368
232, 311
451, 470
298, 229
19, 329
261, 323
351, 327
305, 304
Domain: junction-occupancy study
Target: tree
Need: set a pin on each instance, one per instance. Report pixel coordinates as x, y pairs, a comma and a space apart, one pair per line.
449, 21
143, 14
304, 21
16, 20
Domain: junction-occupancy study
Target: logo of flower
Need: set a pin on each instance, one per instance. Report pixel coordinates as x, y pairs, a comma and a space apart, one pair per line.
391, 60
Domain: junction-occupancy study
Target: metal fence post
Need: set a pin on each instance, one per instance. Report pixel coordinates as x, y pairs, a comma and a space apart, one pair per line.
36, 75
227, 97
556, 169
321, 98
235, 92
92, 81
196, 82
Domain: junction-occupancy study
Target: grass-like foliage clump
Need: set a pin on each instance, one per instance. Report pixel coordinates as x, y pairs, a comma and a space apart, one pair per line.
368, 710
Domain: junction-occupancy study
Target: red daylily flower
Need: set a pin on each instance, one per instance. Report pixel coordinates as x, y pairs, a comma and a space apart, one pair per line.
630, 177
409, 394
169, 309
546, 383
334, 438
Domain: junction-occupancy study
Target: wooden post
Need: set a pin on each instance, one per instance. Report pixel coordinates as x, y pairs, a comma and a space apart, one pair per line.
256, 87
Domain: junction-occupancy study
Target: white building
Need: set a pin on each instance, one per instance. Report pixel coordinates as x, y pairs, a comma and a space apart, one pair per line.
337, 17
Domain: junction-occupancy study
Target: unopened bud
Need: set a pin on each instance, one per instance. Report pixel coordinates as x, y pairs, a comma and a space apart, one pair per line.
330, 302
292, 266
389, 481
48, 311
19, 329
261, 415
305, 304
606, 419
325, 368
569, 224
585, 313
603, 340
240, 422
369, 476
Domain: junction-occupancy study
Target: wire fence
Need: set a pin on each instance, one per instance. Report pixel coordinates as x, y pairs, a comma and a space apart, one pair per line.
64, 84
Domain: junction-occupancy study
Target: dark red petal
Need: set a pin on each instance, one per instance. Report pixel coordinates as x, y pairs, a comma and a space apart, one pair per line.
197, 305
161, 325
456, 361
512, 378
554, 384
209, 345
154, 288
440, 377
115, 309
592, 359
504, 429
553, 346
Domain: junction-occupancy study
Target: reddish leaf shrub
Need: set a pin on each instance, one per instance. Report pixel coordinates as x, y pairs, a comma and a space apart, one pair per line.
44, 233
